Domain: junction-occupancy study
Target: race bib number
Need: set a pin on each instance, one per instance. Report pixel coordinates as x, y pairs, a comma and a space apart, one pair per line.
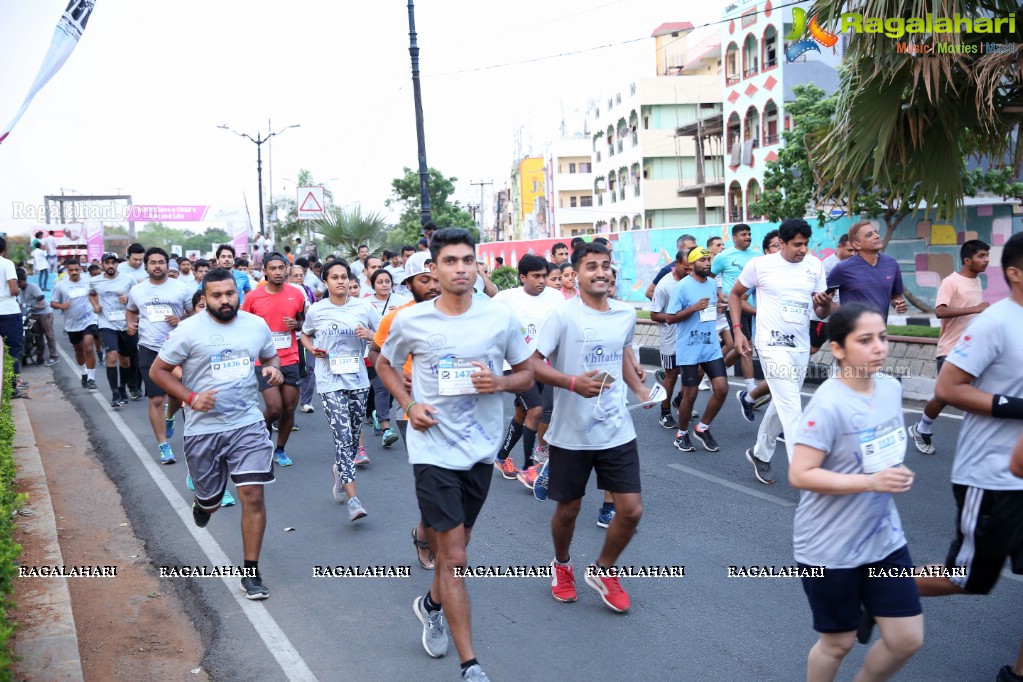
77, 292
345, 362
283, 340
158, 312
229, 368
455, 375
882, 451
797, 312
116, 315
709, 314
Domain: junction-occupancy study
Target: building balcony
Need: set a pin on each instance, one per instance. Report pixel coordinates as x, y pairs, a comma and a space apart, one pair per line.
734, 216
732, 80
709, 126
751, 71
769, 63
711, 187
771, 139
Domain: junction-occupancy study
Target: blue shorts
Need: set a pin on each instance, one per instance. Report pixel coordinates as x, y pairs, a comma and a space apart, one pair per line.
836, 599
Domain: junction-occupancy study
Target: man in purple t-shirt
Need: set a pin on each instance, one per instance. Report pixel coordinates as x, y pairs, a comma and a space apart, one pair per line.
869, 277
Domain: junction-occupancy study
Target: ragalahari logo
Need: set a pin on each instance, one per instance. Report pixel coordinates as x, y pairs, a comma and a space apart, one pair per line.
818, 36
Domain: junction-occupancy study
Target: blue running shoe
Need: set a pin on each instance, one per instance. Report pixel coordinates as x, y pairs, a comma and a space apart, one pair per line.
745, 407
606, 513
542, 481
389, 438
188, 482
228, 499
170, 426
166, 456
282, 458
376, 425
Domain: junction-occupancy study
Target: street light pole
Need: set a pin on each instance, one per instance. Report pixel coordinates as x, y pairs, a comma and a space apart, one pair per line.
417, 95
258, 141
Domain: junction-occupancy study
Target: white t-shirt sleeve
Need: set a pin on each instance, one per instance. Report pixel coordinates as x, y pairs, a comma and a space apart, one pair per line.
550, 335
748, 276
516, 350
979, 345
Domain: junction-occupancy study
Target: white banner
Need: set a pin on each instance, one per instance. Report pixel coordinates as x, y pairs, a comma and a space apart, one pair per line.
65, 39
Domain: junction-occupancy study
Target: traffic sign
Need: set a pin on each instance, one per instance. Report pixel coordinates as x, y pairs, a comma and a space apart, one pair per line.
310, 203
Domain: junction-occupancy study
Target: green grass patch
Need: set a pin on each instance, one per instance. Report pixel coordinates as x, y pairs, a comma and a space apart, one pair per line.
913, 330
642, 314
9, 502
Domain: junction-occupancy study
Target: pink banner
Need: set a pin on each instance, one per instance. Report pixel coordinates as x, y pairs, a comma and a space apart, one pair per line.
94, 239
511, 252
166, 214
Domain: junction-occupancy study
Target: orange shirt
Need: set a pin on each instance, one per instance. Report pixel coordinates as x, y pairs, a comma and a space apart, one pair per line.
384, 328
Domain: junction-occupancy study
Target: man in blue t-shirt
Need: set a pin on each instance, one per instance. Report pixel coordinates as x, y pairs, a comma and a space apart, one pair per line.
729, 264
693, 309
226, 259
869, 277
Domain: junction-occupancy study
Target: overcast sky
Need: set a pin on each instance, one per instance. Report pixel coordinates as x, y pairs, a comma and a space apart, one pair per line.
135, 108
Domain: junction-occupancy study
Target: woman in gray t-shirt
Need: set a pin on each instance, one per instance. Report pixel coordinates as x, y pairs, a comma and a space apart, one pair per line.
847, 536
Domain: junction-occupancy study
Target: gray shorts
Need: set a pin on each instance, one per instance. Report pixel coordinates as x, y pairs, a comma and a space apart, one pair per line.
245, 453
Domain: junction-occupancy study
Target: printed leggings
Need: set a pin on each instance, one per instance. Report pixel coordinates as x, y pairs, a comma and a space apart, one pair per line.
346, 411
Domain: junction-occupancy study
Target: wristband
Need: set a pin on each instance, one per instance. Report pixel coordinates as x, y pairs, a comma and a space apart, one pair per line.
191, 398
1006, 407
571, 385
410, 406
737, 326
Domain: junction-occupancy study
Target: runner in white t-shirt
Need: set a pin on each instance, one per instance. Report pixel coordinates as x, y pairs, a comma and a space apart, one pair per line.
789, 283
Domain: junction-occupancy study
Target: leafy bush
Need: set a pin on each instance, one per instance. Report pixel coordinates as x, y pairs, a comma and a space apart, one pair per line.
913, 330
505, 277
9, 501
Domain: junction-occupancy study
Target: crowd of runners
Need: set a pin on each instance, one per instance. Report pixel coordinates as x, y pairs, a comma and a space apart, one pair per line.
421, 343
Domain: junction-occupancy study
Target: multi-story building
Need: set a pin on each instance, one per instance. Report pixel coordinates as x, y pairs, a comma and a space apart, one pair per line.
570, 179
758, 80
640, 164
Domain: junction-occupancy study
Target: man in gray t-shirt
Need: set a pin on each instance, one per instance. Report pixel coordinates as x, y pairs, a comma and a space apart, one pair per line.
982, 377
108, 294
659, 314
458, 343
155, 307
585, 341
224, 434
32, 297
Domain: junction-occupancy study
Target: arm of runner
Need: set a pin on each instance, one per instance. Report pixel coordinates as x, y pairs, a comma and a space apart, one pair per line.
132, 320
162, 374
1016, 464
822, 302
640, 372
943, 312
94, 300
271, 369
632, 378
735, 301
955, 388
485, 381
650, 291
805, 473
583, 384
420, 415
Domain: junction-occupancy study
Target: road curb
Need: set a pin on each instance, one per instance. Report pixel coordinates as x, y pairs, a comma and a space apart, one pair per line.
47, 650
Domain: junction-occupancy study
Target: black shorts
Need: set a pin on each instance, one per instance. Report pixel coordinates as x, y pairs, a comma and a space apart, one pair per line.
939, 361
713, 368
77, 337
668, 362
114, 340
291, 377
989, 528
746, 322
547, 399
836, 598
818, 334
617, 471
449, 498
146, 358
530, 398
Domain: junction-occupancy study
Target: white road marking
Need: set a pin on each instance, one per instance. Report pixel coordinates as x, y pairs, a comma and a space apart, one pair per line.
734, 486
287, 656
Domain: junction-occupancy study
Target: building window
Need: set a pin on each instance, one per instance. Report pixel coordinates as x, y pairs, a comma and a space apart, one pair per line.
585, 201
585, 167
571, 168
571, 202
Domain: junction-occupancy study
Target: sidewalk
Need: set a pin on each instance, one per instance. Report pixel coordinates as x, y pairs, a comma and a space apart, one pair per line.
45, 641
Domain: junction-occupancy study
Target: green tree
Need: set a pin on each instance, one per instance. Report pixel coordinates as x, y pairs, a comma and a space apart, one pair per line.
406, 198
205, 241
909, 122
158, 234
345, 229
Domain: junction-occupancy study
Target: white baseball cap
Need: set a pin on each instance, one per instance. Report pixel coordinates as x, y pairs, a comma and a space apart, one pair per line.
417, 264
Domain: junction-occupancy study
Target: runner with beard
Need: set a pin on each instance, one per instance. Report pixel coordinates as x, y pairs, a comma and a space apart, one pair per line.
421, 282
108, 294
225, 434
71, 295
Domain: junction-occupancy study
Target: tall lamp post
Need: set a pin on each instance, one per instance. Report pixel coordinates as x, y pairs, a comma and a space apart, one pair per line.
417, 95
258, 141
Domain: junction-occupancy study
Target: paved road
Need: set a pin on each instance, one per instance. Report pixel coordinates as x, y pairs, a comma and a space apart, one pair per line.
702, 510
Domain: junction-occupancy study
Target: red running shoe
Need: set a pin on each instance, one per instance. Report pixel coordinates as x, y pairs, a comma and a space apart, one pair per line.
609, 589
563, 583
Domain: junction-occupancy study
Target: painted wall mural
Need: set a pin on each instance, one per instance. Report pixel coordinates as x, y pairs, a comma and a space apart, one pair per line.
927, 251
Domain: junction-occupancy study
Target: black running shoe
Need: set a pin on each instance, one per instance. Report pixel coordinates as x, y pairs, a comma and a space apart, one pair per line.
683, 443
85, 381
668, 421
91, 385
706, 440
199, 515
254, 588
115, 404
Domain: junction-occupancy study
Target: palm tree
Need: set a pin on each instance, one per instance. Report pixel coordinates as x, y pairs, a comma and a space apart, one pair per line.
909, 122
347, 228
